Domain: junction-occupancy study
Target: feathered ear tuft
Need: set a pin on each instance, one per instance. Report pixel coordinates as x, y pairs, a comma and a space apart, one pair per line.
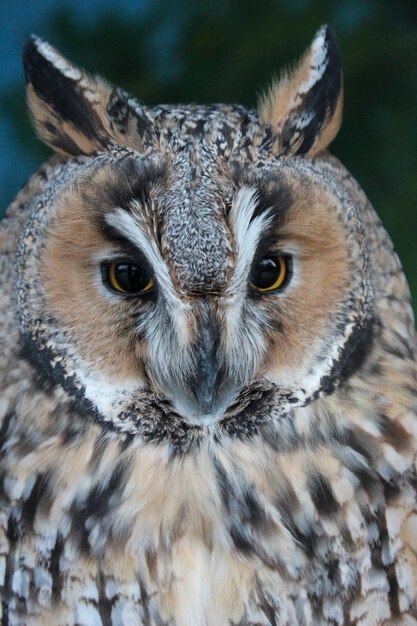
64, 101
304, 108
73, 112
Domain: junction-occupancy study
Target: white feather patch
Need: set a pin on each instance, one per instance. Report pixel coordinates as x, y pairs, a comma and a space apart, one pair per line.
128, 226
318, 63
58, 61
247, 233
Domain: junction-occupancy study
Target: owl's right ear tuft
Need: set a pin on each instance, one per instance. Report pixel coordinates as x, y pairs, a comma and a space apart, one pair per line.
67, 105
304, 108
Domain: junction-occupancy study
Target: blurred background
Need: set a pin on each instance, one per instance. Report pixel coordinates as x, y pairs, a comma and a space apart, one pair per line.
228, 50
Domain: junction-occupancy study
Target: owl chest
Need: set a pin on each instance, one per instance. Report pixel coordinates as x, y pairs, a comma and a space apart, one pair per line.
51, 581
191, 542
188, 585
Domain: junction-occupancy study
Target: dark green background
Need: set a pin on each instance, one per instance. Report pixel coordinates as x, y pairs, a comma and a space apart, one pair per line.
228, 50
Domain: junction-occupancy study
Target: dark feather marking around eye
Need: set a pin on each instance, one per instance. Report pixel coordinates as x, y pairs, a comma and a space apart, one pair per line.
126, 249
277, 201
134, 180
273, 194
275, 198
257, 404
129, 179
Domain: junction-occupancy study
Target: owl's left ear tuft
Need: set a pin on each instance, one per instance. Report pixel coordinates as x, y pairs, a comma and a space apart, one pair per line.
66, 103
304, 108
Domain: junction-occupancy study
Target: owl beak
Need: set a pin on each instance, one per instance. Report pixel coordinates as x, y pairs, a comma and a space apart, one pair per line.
204, 383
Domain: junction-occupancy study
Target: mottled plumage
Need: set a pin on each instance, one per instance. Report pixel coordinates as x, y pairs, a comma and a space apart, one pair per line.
203, 450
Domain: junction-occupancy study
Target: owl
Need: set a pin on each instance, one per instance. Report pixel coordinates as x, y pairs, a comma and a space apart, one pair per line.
208, 408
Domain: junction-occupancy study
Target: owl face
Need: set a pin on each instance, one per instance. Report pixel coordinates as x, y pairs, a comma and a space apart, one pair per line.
194, 260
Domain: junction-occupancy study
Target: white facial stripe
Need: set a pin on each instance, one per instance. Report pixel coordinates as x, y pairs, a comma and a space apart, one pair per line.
129, 227
247, 234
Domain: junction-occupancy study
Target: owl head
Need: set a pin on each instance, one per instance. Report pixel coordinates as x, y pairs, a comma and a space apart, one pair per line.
191, 271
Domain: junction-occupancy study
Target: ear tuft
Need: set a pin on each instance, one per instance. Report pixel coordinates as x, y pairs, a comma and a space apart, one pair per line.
304, 108
64, 101
39, 56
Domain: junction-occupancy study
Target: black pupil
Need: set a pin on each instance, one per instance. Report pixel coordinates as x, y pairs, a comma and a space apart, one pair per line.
266, 273
130, 277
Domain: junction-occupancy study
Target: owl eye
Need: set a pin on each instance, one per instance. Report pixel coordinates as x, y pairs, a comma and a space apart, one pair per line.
270, 273
127, 278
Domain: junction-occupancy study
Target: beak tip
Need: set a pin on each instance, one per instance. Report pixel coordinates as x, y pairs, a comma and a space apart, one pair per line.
205, 399
206, 403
